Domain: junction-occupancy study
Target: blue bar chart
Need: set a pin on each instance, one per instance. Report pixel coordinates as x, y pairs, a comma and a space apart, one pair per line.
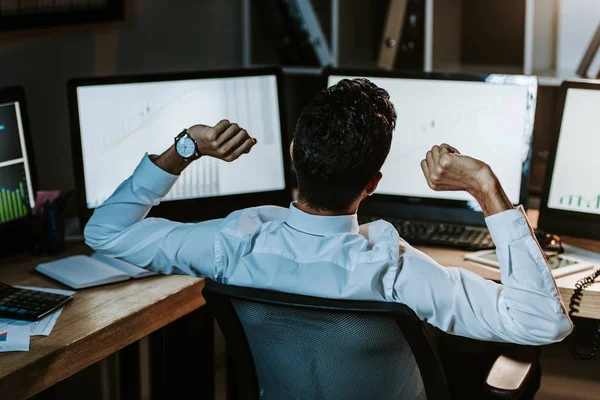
580, 201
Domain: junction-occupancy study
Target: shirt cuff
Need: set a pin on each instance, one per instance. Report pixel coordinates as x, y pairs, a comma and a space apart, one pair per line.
508, 226
153, 178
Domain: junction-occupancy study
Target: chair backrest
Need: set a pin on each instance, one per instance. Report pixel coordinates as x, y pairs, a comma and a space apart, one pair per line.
286, 346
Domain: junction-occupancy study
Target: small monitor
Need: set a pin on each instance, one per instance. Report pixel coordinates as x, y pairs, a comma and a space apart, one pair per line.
571, 199
485, 116
117, 120
16, 184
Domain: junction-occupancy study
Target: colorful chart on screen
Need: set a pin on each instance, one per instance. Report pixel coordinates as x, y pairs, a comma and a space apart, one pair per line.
575, 185
16, 198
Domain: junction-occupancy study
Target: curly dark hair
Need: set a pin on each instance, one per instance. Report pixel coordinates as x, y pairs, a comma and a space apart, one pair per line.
341, 140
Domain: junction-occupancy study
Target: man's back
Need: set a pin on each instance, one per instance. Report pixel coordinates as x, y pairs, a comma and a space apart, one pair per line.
292, 251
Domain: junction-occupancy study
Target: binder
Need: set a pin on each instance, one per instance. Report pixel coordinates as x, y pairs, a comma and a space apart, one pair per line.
589, 55
403, 41
392, 33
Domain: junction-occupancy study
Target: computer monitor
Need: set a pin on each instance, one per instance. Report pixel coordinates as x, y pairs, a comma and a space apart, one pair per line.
485, 116
571, 197
116, 120
17, 183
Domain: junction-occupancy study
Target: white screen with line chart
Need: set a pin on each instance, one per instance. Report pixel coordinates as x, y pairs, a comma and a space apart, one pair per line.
119, 123
573, 185
489, 121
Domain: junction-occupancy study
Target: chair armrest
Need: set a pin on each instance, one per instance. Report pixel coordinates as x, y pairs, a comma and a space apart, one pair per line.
513, 373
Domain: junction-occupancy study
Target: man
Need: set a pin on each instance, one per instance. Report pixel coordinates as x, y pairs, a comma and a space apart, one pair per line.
317, 248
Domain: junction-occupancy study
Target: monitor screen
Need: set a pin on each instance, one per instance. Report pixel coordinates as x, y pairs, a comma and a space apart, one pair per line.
16, 192
572, 184
120, 122
488, 119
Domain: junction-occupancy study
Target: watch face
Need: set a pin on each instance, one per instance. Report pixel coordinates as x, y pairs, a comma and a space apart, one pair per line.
185, 147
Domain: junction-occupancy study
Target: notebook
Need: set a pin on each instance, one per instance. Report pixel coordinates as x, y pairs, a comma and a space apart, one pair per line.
79, 272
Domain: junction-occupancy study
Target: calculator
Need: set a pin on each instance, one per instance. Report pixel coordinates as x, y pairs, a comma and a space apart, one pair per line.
30, 305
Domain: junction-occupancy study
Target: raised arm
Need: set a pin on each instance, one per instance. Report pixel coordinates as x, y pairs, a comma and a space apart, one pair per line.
119, 227
525, 309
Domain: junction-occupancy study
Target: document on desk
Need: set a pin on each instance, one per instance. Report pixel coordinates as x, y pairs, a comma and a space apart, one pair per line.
44, 326
586, 255
14, 335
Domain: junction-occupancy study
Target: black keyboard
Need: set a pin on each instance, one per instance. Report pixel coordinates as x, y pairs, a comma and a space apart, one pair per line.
430, 233
30, 305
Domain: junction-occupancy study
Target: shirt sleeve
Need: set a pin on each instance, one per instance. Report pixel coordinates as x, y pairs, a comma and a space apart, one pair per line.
525, 309
119, 228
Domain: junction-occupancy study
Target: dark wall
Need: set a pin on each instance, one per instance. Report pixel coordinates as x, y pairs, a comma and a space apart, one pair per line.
156, 36
503, 39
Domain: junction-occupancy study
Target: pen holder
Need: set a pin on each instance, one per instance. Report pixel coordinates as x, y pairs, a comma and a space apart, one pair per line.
49, 230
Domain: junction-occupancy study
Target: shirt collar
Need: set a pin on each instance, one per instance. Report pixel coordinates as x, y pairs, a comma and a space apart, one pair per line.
320, 224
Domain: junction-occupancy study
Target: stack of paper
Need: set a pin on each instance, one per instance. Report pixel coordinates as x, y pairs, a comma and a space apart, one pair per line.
15, 334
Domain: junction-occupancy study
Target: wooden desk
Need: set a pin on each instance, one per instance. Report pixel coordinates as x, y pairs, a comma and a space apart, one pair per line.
98, 322
590, 304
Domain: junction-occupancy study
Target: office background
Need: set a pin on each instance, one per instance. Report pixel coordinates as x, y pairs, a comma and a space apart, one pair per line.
156, 36
188, 35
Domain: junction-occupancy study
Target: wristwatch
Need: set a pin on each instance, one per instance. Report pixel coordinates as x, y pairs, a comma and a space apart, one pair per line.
186, 146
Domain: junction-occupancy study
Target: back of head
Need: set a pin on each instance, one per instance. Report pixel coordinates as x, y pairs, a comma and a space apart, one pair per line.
341, 140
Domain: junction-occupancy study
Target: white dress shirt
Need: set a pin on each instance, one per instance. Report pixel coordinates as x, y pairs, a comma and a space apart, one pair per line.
333, 257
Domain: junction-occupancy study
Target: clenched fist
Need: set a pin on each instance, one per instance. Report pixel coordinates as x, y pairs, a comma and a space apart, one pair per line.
225, 141
446, 169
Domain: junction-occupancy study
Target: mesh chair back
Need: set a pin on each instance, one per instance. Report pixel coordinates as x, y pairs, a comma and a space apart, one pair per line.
299, 347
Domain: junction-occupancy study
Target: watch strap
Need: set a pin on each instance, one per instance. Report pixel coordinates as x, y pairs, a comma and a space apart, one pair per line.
183, 132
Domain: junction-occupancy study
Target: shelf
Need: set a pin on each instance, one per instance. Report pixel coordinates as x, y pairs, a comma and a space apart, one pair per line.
293, 70
302, 70
479, 69
552, 77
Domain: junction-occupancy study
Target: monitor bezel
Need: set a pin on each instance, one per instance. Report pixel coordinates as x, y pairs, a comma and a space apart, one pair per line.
423, 208
563, 222
188, 210
15, 233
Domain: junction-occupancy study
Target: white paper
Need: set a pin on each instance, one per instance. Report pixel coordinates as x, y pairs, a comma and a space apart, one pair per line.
582, 254
14, 335
49, 290
6, 323
44, 326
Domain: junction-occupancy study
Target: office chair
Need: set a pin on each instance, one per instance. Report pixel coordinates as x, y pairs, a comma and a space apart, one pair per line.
285, 346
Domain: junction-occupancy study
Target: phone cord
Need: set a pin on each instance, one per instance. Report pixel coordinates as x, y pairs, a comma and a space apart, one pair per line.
574, 304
